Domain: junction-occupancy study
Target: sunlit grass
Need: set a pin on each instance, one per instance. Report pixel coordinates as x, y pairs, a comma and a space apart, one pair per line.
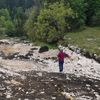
89, 38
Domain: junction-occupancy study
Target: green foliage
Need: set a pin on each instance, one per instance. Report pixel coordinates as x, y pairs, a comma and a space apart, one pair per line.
16, 3
2, 28
89, 38
96, 19
19, 20
10, 28
13, 12
51, 23
79, 7
47, 20
92, 12
6, 25
5, 13
28, 26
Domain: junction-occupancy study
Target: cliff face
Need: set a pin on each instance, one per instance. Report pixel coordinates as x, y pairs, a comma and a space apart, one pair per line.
26, 74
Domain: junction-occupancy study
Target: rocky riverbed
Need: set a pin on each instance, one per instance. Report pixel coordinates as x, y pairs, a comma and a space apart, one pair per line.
26, 74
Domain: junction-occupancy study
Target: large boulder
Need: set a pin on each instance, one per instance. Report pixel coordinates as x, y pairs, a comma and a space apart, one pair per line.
34, 49
2, 54
11, 55
5, 43
87, 54
98, 59
43, 49
22, 57
29, 54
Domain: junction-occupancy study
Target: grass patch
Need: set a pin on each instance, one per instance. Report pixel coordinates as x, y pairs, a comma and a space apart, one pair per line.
3, 36
89, 39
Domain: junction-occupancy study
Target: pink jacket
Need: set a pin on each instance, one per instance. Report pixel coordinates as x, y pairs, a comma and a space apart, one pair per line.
62, 55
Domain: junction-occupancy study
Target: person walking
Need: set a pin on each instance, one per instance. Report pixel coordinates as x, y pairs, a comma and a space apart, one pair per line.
61, 55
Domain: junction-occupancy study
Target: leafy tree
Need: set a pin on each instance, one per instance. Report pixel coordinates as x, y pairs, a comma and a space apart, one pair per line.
51, 23
2, 25
92, 12
10, 28
6, 26
47, 20
79, 7
19, 20
28, 27
5, 13
3, 3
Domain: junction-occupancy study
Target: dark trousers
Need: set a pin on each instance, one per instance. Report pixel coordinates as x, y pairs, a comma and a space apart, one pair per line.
61, 66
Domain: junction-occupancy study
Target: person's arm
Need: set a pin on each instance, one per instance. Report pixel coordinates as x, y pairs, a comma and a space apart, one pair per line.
58, 55
66, 55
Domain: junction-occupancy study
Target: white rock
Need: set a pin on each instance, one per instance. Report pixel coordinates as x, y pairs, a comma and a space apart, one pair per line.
39, 74
67, 95
53, 98
42, 92
8, 96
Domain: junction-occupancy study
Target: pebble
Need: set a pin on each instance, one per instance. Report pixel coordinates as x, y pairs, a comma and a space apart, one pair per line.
8, 96
42, 92
53, 98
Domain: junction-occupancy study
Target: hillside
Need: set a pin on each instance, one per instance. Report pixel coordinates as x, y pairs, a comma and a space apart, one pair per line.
26, 74
88, 38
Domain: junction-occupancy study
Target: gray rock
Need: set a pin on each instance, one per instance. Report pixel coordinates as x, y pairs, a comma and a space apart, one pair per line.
98, 59
2, 54
43, 49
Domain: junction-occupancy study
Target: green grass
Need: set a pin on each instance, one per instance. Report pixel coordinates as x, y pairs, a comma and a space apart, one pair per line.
3, 36
89, 38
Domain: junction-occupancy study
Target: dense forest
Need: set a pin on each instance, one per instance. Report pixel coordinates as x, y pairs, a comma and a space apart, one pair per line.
47, 20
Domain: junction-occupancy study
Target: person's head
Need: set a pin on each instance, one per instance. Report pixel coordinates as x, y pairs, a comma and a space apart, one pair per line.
61, 49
